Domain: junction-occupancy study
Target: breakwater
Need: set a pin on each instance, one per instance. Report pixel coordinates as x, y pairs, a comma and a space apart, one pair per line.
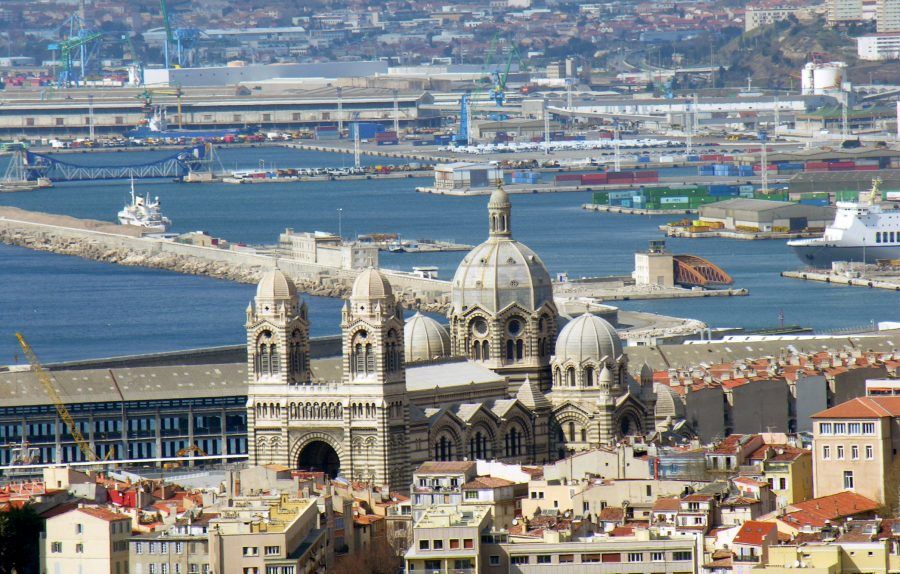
110, 243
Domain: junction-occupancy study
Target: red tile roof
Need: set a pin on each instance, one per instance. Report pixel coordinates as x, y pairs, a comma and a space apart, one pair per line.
481, 482
817, 511
611, 513
446, 466
667, 504
863, 408
103, 514
754, 532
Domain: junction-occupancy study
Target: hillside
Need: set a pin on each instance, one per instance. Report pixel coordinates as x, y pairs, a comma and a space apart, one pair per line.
773, 55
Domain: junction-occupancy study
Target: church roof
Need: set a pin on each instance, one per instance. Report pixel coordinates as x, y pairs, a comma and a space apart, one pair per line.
274, 284
530, 395
424, 339
371, 284
588, 337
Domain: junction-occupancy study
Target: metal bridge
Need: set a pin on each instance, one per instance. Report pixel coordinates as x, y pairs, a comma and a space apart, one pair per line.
177, 165
691, 270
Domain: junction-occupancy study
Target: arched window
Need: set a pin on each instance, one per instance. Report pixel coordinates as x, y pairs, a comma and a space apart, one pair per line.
583, 435
273, 360
502, 223
358, 360
485, 350
557, 377
571, 432
476, 350
264, 368
509, 350
589, 376
570, 376
520, 349
370, 360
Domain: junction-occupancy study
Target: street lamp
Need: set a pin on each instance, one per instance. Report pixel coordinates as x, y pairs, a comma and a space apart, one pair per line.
340, 222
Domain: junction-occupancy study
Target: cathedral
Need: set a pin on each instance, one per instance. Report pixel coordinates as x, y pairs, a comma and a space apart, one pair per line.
505, 381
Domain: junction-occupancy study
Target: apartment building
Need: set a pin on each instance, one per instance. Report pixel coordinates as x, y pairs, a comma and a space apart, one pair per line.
855, 446
887, 16
448, 539
270, 534
86, 539
644, 552
844, 11
787, 469
182, 548
758, 16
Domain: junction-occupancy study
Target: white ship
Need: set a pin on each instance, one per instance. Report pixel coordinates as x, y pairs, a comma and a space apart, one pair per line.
861, 232
144, 213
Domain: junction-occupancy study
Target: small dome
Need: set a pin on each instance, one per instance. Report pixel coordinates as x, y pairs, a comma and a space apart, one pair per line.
668, 403
425, 339
499, 199
371, 284
588, 337
275, 285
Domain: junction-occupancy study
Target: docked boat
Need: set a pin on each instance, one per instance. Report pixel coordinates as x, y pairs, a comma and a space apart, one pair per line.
144, 213
862, 231
156, 127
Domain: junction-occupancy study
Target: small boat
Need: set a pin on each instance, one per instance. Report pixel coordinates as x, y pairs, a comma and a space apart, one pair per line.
144, 213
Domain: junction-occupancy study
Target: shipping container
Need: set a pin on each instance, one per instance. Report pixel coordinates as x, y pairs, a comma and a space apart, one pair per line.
367, 130
569, 177
594, 178
846, 195
819, 202
600, 198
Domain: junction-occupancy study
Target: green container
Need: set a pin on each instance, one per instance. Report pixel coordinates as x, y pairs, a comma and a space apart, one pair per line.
601, 198
675, 191
815, 195
847, 195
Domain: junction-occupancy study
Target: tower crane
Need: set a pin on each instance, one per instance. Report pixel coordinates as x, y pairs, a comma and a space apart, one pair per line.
50, 387
67, 48
170, 38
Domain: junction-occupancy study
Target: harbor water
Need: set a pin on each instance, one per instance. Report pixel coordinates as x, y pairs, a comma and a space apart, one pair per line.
71, 309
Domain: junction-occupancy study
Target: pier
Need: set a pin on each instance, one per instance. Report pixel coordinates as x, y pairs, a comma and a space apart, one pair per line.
870, 276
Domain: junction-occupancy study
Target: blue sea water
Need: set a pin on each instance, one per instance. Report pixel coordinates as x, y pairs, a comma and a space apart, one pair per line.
71, 308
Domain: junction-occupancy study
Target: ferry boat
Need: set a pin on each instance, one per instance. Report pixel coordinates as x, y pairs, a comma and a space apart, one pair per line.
144, 213
861, 232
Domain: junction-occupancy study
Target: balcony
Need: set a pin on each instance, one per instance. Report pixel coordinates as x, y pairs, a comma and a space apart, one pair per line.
746, 558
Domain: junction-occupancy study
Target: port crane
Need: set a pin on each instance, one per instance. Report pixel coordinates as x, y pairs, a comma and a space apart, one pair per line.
50, 388
182, 38
148, 93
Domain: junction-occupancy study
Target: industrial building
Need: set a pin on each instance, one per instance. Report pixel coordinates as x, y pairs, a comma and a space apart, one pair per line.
764, 215
460, 176
271, 107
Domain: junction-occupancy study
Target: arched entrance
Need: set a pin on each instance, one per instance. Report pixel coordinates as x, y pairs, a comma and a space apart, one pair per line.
321, 456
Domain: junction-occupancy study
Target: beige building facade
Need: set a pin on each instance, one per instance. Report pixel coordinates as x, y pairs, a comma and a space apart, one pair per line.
86, 540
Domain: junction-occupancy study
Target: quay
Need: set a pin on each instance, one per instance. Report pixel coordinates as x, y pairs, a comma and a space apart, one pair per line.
685, 232
890, 281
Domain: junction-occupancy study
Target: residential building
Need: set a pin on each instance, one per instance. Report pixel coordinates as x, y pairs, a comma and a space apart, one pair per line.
256, 534
887, 16
86, 539
182, 548
644, 551
757, 16
875, 47
854, 446
448, 539
787, 469
844, 11
751, 545
327, 249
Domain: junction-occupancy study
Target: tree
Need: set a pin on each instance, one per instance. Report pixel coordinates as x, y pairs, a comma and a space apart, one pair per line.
20, 531
378, 558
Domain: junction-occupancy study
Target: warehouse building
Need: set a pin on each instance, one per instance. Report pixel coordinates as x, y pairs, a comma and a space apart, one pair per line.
764, 215
463, 175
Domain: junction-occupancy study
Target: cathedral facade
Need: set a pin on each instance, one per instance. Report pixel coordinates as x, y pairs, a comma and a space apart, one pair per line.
562, 389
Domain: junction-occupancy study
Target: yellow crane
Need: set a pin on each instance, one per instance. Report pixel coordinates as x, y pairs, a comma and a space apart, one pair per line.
49, 386
192, 450
148, 93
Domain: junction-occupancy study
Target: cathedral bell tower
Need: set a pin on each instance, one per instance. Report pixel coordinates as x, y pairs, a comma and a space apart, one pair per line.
374, 375
277, 358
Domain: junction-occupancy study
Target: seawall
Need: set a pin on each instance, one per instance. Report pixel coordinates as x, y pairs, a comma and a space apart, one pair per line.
110, 243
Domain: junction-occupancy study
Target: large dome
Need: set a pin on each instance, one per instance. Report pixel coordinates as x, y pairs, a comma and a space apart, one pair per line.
500, 272
425, 339
275, 285
588, 337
